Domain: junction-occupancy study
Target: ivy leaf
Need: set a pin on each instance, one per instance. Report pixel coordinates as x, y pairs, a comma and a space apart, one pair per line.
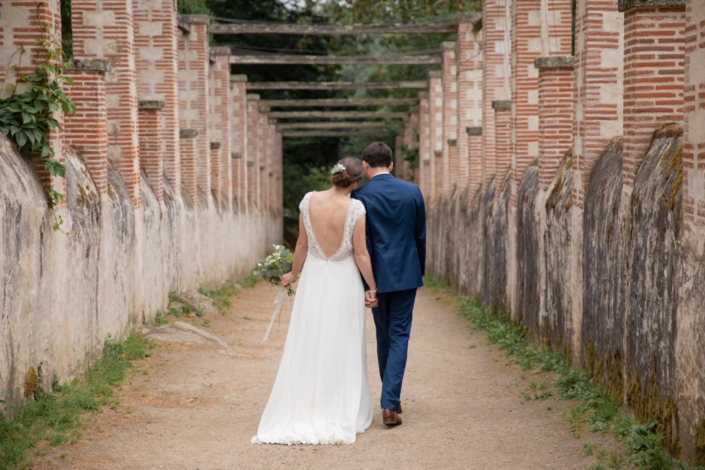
53, 107
38, 135
21, 139
46, 151
68, 80
27, 118
30, 136
55, 168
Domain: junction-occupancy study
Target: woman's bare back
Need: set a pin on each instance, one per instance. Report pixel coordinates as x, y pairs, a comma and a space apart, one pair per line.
327, 214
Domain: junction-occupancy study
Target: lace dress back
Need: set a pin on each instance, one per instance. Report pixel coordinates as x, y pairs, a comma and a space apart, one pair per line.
355, 211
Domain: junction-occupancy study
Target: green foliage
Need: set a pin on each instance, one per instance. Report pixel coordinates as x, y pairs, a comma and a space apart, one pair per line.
55, 415
222, 295
194, 7
593, 405
159, 319
180, 307
250, 281
66, 29
27, 118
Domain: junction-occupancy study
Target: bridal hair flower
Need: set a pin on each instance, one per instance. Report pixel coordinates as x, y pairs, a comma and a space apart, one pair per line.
337, 169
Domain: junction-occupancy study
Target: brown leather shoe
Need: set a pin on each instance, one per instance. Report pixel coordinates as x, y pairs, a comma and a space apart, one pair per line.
390, 418
398, 410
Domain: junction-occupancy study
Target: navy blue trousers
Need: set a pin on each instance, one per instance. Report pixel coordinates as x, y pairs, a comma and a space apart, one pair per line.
393, 324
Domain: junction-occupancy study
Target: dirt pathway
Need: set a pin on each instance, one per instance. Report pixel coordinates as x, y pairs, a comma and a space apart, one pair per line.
194, 408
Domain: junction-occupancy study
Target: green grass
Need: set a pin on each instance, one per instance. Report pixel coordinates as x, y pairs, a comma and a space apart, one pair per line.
593, 406
250, 281
55, 416
179, 307
221, 296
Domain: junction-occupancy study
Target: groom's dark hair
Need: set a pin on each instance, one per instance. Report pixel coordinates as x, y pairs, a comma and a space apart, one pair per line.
377, 155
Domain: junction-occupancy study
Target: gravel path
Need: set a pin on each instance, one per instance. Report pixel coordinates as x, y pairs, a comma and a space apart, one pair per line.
195, 408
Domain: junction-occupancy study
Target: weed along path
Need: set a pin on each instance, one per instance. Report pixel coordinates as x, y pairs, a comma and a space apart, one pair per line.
195, 406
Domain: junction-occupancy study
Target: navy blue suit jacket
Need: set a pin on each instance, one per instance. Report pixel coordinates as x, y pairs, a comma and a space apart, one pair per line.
396, 232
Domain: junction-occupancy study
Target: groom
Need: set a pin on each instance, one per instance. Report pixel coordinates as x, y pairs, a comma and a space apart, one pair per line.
396, 240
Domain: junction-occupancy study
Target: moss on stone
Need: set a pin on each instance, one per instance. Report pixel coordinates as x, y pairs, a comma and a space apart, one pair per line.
31, 383
699, 444
645, 400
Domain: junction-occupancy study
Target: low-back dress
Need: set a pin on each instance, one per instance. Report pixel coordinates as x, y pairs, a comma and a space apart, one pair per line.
321, 393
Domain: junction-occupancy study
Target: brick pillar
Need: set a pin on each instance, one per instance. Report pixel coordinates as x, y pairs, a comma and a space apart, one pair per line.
495, 77
436, 110
556, 102
599, 51
475, 161
424, 144
194, 102
220, 115
262, 156
238, 134
272, 165
411, 142
526, 46
216, 165
450, 117
85, 131
654, 55
503, 140
189, 162
104, 29
252, 149
156, 46
694, 114
21, 25
280, 172
399, 154
469, 91
151, 144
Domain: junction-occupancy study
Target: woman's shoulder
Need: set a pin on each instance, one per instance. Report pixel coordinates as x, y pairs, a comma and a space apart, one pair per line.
304, 202
357, 209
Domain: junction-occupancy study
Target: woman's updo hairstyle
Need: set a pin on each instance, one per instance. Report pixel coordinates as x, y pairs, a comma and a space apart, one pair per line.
346, 172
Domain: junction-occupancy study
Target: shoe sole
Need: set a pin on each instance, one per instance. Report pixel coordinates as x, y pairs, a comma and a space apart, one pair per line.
391, 422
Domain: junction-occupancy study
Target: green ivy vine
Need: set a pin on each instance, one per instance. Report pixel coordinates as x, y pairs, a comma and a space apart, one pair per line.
27, 118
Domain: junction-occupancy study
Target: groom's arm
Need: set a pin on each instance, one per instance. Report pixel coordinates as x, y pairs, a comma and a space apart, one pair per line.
420, 231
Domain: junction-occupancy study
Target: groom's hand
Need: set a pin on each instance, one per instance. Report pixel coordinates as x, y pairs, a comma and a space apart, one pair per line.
371, 300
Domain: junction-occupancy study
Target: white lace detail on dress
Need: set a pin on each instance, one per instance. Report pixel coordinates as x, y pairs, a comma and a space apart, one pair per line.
355, 211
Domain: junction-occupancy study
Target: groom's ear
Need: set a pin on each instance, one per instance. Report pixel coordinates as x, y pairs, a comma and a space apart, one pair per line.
391, 167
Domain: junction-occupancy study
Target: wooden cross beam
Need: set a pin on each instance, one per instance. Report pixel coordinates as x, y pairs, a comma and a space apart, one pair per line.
332, 125
293, 59
333, 134
336, 115
331, 29
335, 85
340, 102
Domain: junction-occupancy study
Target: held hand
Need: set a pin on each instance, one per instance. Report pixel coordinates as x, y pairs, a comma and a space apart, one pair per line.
371, 300
287, 279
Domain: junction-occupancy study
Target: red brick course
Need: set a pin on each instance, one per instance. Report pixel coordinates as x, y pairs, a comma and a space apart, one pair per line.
694, 116
194, 102
151, 149
436, 111
238, 133
85, 131
450, 118
654, 55
104, 29
220, 127
156, 60
252, 149
503, 141
424, 172
598, 93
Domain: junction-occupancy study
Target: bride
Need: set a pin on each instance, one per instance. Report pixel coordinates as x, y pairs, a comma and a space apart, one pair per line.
321, 393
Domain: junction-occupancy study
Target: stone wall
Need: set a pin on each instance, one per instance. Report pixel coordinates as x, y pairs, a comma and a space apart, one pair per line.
595, 245
150, 204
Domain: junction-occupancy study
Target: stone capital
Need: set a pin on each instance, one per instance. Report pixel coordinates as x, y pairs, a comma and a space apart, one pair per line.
215, 145
238, 78
475, 130
554, 62
188, 133
91, 65
195, 19
626, 5
435, 74
502, 105
151, 104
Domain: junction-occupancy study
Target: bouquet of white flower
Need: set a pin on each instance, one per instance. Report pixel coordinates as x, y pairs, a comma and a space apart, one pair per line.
275, 266
272, 269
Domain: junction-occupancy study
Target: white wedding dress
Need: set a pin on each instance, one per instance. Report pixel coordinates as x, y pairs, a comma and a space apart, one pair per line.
321, 393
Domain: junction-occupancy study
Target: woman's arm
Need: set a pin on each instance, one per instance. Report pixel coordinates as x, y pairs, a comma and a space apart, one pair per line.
362, 257
299, 255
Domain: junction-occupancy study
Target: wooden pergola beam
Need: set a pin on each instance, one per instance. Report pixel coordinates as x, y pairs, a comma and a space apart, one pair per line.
333, 134
293, 59
331, 29
332, 125
336, 115
340, 102
335, 85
